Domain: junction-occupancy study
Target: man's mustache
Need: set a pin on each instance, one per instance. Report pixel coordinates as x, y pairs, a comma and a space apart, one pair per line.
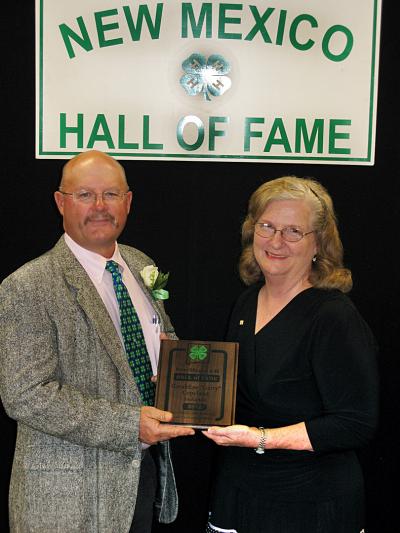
101, 216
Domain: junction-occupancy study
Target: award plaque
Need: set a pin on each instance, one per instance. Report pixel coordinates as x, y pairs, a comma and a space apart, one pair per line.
197, 382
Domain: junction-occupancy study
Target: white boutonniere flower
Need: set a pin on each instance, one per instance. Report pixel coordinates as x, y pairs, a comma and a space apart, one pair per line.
155, 281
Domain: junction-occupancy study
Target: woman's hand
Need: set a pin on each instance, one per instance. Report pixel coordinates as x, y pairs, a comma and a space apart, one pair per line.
236, 435
293, 437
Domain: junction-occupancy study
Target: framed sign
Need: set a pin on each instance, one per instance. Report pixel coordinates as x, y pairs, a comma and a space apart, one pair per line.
240, 81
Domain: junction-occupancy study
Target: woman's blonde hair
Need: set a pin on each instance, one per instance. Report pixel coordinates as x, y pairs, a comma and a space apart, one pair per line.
327, 271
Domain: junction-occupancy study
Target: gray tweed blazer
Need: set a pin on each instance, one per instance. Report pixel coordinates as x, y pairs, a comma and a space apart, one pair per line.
65, 378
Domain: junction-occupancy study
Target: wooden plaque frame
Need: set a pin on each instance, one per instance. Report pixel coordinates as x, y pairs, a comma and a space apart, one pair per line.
197, 382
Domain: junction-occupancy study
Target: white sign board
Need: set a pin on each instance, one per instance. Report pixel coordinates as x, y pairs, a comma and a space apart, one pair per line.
278, 81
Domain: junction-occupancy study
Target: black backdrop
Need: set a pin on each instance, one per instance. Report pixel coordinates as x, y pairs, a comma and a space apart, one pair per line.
187, 216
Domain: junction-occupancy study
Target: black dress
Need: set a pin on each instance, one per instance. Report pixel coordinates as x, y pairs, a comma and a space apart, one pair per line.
314, 362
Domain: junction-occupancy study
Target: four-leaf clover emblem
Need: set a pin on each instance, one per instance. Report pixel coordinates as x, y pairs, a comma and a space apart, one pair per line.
198, 352
206, 76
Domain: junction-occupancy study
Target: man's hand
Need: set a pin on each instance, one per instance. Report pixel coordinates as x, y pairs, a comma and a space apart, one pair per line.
152, 430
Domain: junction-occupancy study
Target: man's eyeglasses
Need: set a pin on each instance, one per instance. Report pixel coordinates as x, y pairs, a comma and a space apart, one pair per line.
289, 233
90, 197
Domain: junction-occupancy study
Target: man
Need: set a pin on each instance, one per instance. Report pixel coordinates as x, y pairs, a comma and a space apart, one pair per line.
83, 431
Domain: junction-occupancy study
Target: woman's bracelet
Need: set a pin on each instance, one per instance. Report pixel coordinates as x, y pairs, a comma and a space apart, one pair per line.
261, 445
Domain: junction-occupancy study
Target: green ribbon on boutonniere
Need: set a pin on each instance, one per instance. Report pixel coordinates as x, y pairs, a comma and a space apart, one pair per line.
160, 294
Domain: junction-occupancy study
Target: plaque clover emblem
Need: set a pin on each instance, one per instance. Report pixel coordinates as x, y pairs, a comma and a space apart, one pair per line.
206, 76
198, 352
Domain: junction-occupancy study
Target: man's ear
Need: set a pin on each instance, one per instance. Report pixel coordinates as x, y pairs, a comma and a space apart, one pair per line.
59, 199
129, 197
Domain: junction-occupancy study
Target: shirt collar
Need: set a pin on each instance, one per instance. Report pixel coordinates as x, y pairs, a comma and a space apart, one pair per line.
93, 263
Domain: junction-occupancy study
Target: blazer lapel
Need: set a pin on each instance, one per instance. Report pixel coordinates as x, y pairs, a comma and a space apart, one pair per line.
92, 304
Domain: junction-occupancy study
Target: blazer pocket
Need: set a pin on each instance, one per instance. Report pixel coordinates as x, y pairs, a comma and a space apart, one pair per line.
60, 457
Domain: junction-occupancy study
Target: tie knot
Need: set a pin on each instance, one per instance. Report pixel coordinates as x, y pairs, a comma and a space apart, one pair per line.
112, 266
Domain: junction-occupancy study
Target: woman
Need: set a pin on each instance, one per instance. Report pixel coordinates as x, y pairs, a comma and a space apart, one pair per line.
307, 381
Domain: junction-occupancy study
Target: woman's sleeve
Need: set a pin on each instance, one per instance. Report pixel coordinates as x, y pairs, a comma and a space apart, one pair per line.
345, 367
